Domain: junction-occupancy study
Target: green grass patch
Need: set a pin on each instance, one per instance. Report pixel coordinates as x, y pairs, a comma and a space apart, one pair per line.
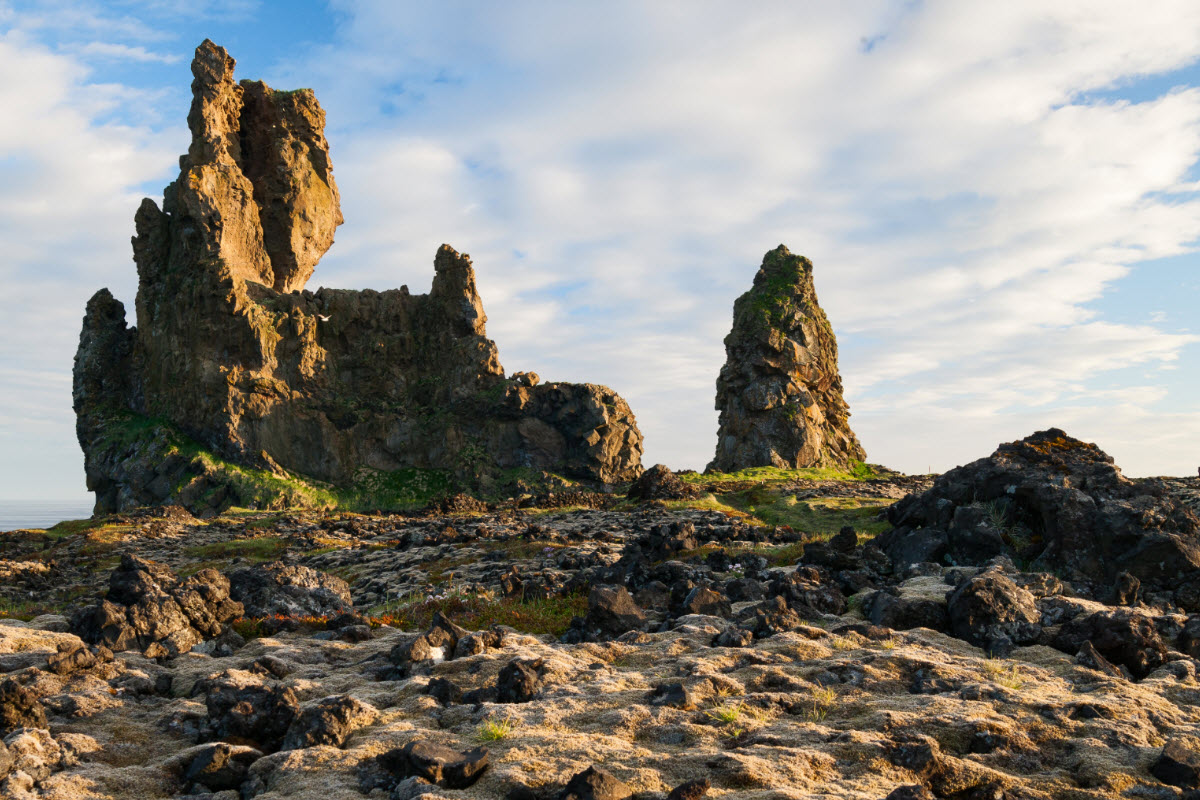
259, 549
858, 471
398, 490
823, 516
475, 612
26, 610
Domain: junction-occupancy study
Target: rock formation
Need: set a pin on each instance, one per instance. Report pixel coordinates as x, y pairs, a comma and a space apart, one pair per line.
779, 393
1060, 505
238, 386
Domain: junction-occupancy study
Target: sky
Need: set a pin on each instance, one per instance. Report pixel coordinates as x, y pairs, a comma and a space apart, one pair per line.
1001, 200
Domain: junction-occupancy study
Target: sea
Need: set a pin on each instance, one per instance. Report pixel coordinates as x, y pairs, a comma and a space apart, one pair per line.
17, 514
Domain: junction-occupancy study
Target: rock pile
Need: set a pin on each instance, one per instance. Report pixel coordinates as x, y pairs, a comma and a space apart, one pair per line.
779, 393
1056, 504
147, 608
239, 386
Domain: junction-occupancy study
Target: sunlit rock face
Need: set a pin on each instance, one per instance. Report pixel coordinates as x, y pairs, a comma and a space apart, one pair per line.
234, 361
779, 393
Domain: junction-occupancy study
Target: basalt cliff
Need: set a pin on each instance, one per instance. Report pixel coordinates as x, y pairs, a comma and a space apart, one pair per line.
779, 393
240, 387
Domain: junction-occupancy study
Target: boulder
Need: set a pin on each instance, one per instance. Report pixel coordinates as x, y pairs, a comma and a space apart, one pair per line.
220, 766
611, 611
289, 590
660, 483
436, 764
1123, 636
594, 784
1177, 765
519, 680
1060, 504
904, 613
992, 612
19, 707
241, 705
780, 393
328, 721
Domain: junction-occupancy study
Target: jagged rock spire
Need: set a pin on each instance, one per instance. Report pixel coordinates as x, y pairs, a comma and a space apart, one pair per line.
779, 393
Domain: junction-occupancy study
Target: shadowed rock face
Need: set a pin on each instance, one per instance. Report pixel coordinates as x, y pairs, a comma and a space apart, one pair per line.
779, 393
233, 355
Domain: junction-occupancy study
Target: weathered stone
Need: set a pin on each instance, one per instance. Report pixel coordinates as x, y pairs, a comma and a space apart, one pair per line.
148, 609
659, 483
519, 680
288, 590
595, 784
990, 608
439, 765
1123, 636
1060, 504
611, 611
1178, 765
242, 705
221, 766
238, 385
779, 393
328, 721
19, 707
692, 790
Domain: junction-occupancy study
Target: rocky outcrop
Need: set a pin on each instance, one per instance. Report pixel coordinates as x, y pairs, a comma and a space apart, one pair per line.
239, 386
779, 393
1060, 505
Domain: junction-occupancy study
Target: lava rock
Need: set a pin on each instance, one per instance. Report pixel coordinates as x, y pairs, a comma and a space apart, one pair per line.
611, 611
1178, 765
594, 784
519, 680
1124, 636
19, 707
220, 766
659, 483
439, 765
241, 705
289, 590
703, 600
904, 613
990, 608
328, 721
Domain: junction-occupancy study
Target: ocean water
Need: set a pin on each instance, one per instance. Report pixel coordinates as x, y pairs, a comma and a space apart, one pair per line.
16, 514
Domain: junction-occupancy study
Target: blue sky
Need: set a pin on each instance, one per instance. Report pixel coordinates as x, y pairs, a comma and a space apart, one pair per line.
1000, 199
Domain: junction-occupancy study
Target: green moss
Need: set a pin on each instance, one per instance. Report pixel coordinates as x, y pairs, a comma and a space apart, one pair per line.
398, 490
261, 549
858, 471
475, 612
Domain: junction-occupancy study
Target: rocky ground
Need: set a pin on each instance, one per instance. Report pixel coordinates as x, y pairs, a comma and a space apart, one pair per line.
740, 636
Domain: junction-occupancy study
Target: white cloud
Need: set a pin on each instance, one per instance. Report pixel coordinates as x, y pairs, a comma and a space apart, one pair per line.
617, 171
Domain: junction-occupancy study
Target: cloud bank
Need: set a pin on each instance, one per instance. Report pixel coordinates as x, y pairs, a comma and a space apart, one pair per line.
978, 185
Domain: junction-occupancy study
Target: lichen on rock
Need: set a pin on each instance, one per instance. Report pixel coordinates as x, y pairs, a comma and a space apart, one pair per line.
780, 393
238, 383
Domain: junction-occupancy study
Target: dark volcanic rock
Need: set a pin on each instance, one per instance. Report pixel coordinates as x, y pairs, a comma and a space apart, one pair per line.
904, 613
779, 393
328, 721
659, 483
19, 707
243, 706
611, 611
519, 680
237, 384
992, 612
146, 606
1058, 503
221, 766
594, 784
288, 590
1123, 636
439, 765
1178, 765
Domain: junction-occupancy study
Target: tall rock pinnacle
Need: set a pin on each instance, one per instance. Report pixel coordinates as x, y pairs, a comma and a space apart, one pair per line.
779, 393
